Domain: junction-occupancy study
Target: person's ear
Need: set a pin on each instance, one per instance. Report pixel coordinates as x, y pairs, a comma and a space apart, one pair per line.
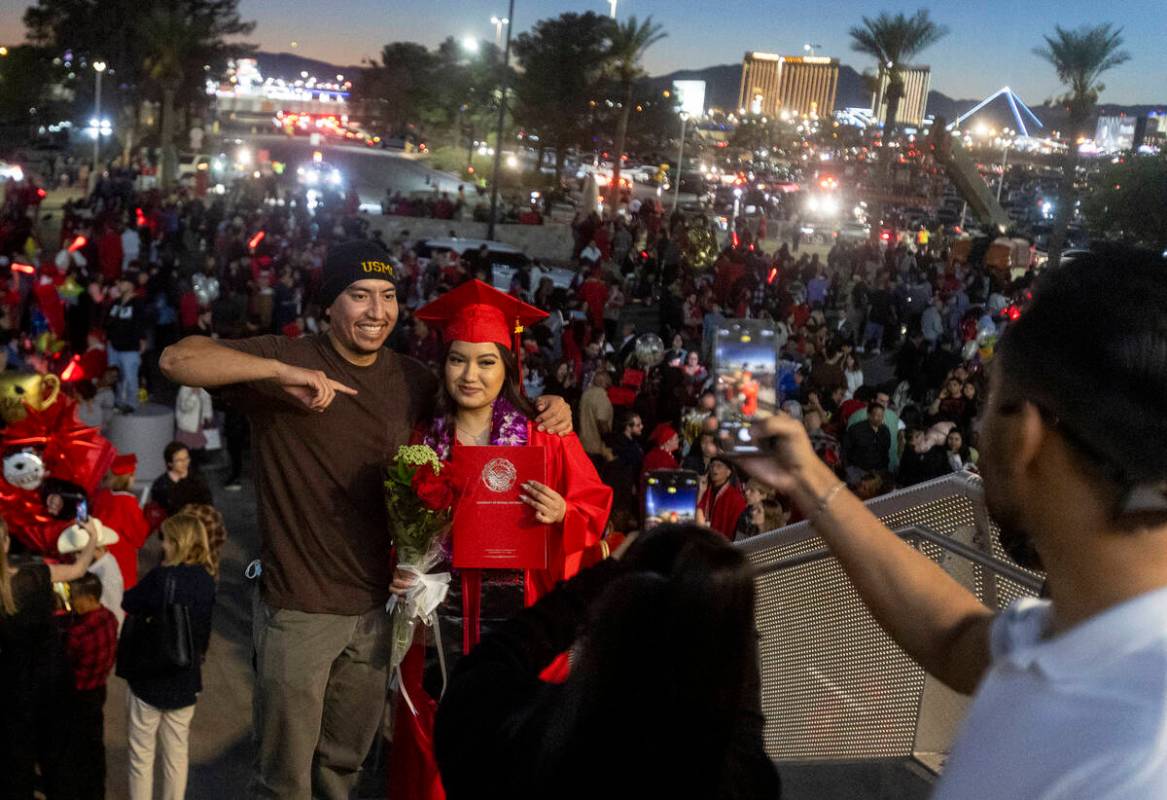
1028, 438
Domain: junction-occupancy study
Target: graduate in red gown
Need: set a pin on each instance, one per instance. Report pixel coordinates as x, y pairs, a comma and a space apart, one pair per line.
118, 508
721, 501
481, 403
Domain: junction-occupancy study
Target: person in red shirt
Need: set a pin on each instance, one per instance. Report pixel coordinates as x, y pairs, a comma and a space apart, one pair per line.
91, 637
721, 502
109, 254
666, 441
594, 292
749, 394
118, 508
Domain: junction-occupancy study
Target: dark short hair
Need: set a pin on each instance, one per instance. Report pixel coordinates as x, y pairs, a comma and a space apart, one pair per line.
865, 393
88, 585
171, 450
1091, 350
873, 406
626, 417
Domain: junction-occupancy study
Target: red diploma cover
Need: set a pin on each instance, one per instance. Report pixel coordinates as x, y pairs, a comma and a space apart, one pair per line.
493, 528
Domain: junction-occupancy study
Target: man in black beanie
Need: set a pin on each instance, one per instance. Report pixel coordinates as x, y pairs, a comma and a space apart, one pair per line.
327, 413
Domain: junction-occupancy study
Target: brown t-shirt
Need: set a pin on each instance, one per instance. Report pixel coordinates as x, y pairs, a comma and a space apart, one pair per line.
325, 538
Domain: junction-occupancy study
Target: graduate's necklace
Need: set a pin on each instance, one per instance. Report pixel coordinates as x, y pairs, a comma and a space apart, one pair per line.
480, 439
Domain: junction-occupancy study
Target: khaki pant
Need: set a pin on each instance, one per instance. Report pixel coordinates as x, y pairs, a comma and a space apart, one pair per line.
148, 727
320, 691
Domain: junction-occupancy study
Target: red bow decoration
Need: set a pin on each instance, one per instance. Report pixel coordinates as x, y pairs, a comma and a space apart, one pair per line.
70, 450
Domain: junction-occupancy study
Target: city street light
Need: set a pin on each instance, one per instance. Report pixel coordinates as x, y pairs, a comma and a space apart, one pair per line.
99, 68
613, 3
1004, 166
502, 111
498, 22
680, 162
470, 44
810, 48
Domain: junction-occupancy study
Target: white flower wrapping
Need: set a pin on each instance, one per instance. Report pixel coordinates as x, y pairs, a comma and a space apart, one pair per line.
419, 604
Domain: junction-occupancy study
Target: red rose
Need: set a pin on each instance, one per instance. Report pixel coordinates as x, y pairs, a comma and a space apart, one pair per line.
433, 490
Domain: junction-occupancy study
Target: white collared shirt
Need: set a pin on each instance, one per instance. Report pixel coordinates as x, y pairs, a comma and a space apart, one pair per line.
1078, 716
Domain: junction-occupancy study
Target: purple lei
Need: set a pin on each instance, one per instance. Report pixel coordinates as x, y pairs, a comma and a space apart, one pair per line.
508, 428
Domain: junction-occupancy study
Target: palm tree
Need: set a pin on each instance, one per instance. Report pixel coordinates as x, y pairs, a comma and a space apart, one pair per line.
626, 47
1079, 57
894, 42
172, 38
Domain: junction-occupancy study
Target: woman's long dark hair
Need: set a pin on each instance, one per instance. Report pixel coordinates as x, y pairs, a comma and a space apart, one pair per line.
511, 390
667, 668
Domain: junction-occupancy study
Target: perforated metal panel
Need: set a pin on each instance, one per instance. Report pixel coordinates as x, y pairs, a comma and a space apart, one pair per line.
834, 685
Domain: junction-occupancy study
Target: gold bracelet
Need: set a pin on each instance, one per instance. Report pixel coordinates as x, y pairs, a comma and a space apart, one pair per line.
824, 501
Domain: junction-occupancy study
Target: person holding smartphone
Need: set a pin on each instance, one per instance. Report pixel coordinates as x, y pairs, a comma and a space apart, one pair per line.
1067, 690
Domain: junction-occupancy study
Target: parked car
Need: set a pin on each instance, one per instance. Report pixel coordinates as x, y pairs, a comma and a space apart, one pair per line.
505, 260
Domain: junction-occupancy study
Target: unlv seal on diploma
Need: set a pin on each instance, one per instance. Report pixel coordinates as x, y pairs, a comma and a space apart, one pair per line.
493, 528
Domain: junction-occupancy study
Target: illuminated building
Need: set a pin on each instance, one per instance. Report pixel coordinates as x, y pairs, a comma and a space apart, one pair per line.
914, 101
772, 84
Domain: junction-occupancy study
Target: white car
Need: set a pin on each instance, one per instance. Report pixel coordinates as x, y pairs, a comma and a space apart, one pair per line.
191, 163
9, 171
505, 260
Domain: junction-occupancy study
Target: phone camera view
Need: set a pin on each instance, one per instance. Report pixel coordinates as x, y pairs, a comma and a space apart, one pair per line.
670, 497
746, 364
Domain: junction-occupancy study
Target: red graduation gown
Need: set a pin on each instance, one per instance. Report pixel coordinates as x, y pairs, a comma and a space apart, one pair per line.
657, 458
413, 772
723, 509
120, 511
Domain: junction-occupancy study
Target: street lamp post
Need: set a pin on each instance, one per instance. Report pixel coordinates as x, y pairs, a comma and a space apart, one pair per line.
502, 111
99, 68
1004, 166
498, 22
613, 3
680, 162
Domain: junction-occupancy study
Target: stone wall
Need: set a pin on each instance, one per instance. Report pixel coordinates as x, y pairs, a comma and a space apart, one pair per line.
550, 242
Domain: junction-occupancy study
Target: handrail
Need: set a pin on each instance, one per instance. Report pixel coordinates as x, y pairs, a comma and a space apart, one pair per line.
1002, 568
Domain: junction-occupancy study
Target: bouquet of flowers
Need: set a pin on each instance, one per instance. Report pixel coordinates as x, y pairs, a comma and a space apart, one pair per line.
419, 496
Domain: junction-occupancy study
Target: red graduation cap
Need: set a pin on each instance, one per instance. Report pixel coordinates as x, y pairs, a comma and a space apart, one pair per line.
477, 313
124, 464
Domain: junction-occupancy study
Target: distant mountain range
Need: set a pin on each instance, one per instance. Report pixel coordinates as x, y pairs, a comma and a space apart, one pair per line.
289, 66
723, 83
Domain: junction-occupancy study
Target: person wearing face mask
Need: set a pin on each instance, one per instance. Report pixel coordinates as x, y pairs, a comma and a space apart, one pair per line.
326, 411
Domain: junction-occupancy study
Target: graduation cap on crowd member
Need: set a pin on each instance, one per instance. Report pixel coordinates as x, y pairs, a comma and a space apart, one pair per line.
477, 313
124, 464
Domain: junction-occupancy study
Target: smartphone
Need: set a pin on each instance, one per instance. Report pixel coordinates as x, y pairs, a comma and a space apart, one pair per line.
670, 497
745, 362
82, 510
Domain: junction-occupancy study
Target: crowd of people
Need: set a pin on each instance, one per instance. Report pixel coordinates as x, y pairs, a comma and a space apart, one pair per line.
882, 355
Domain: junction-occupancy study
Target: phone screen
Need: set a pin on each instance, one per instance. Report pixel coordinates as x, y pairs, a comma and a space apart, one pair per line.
746, 365
82, 510
670, 496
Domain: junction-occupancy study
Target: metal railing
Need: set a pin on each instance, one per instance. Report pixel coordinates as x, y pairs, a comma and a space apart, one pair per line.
835, 687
